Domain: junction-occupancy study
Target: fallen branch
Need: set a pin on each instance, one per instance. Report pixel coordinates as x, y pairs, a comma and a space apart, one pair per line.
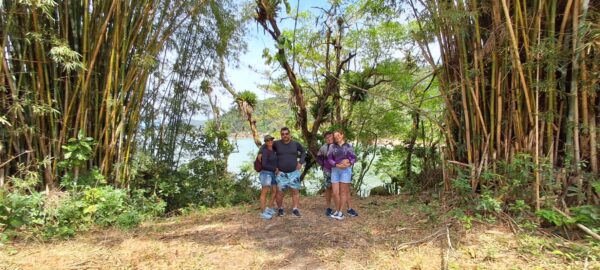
11, 159
512, 224
445, 254
458, 163
421, 241
448, 237
427, 239
580, 226
446, 248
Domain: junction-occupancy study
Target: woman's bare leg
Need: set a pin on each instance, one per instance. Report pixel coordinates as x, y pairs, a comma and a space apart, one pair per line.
335, 192
263, 198
344, 194
273, 196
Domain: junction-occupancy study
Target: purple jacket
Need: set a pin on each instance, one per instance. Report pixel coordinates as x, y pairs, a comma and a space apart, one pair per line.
338, 153
322, 157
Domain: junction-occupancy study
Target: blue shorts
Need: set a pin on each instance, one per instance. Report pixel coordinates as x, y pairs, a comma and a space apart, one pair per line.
341, 175
288, 180
326, 179
267, 178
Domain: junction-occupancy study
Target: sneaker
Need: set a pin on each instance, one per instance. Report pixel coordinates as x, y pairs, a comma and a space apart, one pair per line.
338, 215
352, 213
266, 215
296, 212
271, 211
328, 212
281, 212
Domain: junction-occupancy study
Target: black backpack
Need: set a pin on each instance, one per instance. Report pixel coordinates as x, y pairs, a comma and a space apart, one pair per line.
258, 163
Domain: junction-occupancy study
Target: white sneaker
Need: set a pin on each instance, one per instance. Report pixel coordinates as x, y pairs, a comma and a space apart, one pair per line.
338, 215
266, 215
271, 211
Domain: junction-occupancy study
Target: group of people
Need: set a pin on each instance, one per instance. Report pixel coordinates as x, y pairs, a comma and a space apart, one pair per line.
282, 161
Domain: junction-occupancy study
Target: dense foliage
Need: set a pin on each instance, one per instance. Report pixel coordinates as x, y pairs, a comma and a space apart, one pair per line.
520, 82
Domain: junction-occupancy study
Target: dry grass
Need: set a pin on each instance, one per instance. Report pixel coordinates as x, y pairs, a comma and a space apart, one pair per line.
236, 238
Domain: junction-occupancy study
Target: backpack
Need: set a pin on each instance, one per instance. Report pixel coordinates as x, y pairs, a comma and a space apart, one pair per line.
257, 164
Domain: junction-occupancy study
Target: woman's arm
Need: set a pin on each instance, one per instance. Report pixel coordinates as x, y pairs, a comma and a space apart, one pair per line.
351, 155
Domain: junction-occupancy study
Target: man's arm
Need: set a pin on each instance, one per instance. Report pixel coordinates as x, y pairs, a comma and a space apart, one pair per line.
321, 158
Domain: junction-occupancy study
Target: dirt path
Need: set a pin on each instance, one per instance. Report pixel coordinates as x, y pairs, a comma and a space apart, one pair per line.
236, 238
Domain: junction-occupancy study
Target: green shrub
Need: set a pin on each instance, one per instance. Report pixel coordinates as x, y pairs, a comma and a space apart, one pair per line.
519, 207
17, 210
148, 205
555, 217
75, 211
586, 214
488, 204
200, 182
129, 219
244, 191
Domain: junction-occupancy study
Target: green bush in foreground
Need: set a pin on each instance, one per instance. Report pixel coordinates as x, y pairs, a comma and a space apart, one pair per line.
199, 182
63, 214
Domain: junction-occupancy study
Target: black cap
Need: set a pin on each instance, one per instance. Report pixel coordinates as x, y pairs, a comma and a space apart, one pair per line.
269, 138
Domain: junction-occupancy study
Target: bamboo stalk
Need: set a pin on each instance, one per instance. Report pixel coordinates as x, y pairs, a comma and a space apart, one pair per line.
538, 179
517, 61
573, 144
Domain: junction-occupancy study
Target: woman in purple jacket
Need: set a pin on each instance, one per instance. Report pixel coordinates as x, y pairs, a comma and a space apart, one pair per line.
341, 157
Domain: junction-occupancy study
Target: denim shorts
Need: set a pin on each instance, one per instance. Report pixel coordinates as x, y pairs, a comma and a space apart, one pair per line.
341, 175
326, 179
288, 180
267, 178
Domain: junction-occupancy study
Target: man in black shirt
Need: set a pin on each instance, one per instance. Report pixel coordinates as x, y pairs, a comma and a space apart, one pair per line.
290, 158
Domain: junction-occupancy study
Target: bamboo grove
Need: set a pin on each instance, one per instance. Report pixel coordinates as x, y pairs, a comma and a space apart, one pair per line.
78, 67
518, 76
